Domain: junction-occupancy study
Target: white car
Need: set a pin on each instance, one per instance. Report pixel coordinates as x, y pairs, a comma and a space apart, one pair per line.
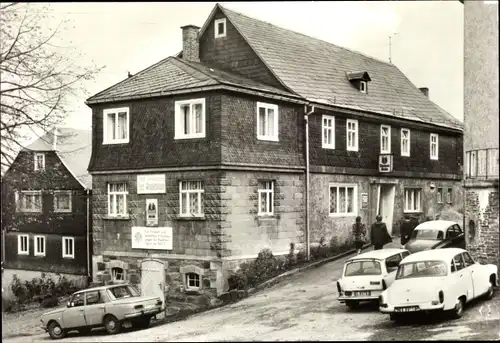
365, 276
438, 280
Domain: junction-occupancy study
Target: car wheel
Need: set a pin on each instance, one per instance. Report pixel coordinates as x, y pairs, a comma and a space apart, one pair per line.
352, 304
113, 326
56, 331
491, 291
458, 310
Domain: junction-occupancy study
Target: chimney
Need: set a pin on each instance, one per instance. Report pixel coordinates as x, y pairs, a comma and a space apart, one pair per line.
425, 90
190, 43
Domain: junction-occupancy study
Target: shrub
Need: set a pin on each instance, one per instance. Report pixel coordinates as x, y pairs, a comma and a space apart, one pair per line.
237, 281
290, 259
301, 256
19, 290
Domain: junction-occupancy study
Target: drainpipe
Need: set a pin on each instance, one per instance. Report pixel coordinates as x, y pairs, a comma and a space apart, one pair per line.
306, 119
88, 236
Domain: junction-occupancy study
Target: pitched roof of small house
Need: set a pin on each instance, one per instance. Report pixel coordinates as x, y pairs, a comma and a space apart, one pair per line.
174, 74
73, 146
317, 70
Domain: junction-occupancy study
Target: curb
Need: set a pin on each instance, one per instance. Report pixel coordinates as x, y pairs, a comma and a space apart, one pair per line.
275, 279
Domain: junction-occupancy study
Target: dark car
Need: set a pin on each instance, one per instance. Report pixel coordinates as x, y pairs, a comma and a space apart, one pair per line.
436, 234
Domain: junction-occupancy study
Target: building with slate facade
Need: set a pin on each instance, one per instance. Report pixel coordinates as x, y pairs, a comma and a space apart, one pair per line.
255, 137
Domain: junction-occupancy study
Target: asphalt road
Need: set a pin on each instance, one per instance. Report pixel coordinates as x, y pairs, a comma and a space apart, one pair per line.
304, 307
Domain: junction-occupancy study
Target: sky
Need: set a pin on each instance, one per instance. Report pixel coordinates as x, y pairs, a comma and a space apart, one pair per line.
427, 37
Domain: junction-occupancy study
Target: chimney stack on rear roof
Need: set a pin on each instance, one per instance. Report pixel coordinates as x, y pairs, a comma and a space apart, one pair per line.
190, 43
425, 90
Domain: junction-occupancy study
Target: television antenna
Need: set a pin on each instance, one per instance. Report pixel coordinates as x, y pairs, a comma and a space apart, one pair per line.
390, 46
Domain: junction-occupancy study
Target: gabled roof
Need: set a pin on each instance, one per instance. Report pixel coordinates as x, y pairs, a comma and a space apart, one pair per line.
316, 70
174, 74
73, 147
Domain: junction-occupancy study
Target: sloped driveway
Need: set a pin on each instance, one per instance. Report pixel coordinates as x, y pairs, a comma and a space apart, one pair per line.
304, 307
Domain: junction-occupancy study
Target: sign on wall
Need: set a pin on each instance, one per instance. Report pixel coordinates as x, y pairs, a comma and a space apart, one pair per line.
151, 212
151, 184
159, 238
364, 201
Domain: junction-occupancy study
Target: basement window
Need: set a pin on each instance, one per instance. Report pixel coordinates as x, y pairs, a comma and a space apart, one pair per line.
193, 281
220, 28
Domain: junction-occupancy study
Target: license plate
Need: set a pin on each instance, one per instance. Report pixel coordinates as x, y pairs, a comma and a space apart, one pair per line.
407, 309
362, 293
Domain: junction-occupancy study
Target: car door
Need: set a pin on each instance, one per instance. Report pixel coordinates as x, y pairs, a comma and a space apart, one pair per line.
74, 315
460, 237
479, 284
94, 308
391, 265
464, 278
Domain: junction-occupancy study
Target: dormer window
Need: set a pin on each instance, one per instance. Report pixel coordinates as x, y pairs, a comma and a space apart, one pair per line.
39, 161
359, 80
362, 86
220, 28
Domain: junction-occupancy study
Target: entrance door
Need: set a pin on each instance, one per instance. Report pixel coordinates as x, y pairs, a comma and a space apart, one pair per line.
386, 204
153, 279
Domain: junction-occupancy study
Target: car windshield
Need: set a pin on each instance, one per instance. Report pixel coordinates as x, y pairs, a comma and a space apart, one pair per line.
421, 269
427, 234
121, 292
368, 267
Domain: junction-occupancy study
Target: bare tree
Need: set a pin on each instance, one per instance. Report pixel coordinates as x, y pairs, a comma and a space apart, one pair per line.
38, 76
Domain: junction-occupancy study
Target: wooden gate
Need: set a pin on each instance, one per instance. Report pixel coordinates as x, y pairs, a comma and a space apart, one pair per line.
153, 279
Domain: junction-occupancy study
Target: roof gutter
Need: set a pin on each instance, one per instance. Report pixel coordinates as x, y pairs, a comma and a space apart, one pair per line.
89, 275
308, 236
374, 115
199, 89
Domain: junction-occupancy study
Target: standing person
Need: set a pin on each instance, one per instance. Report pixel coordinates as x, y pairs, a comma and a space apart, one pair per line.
359, 233
379, 234
406, 229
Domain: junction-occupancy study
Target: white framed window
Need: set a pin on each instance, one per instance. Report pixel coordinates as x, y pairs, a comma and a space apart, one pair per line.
448, 195
343, 199
191, 198
29, 201
405, 142
493, 162
352, 134
116, 125
39, 161
267, 122
117, 199
193, 281
472, 163
328, 132
481, 163
363, 86
23, 244
39, 245
412, 199
434, 140
190, 119
385, 139
220, 28
68, 247
440, 195
62, 201
266, 198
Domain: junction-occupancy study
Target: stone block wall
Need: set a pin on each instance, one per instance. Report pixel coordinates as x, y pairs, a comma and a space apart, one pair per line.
481, 219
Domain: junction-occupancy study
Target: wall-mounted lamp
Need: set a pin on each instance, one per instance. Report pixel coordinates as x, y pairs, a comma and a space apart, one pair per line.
432, 185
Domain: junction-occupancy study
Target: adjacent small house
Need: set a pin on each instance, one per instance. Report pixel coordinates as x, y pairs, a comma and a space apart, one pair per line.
46, 209
256, 137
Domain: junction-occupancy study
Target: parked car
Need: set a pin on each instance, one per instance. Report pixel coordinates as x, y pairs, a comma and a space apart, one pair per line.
109, 306
436, 234
438, 280
365, 276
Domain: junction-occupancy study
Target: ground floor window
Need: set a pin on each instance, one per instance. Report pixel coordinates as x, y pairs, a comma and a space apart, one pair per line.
193, 281
68, 247
343, 199
117, 274
191, 198
412, 199
39, 245
23, 245
266, 198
